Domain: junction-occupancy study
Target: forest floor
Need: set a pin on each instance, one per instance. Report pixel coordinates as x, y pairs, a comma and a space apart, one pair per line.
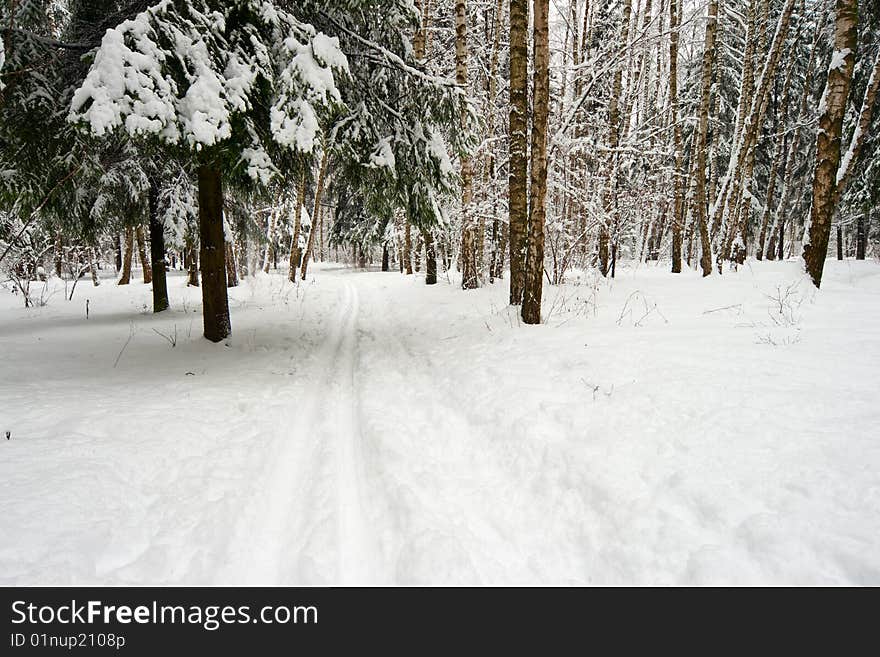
364, 428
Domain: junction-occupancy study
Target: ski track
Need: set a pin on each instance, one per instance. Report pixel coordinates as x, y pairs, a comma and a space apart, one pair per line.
317, 477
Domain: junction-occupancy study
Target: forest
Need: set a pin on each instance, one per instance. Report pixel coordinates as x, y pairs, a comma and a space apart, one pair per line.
440, 291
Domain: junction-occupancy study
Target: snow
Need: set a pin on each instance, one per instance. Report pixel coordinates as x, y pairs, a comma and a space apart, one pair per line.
383, 155
131, 83
437, 148
2, 60
361, 427
838, 59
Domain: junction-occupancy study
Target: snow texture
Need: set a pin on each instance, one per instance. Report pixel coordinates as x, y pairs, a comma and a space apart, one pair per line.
131, 84
838, 59
363, 428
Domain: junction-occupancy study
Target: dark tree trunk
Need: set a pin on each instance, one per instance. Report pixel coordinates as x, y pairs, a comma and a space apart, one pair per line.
519, 144
212, 253
839, 243
192, 263
59, 254
157, 252
118, 254
430, 258
407, 248
385, 263
862, 234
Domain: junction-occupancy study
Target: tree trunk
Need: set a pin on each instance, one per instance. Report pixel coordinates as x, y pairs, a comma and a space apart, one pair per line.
828, 138
269, 255
295, 253
386, 265
192, 259
699, 207
142, 254
231, 268
125, 278
212, 254
518, 167
319, 190
407, 247
157, 251
93, 268
491, 92
677, 180
58, 253
118, 254
430, 257
468, 253
862, 233
534, 270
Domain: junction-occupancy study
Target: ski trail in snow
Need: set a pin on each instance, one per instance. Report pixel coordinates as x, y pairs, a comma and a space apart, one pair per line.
358, 562
320, 448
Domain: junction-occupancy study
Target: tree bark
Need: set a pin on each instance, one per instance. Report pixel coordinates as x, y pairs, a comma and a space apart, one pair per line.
58, 253
468, 253
157, 251
699, 207
319, 190
534, 270
518, 167
231, 268
93, 268
677, 180
295, 252
142, 254
407, 247
125, 278
212, 254
829, 138
862, 233
269, 255
192, 260
430, 257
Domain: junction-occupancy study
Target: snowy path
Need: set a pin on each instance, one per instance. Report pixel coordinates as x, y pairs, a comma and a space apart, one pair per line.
363, 428
324, 437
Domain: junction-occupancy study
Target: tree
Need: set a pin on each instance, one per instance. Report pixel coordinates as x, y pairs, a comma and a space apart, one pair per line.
157, 250
534, 269
518, 137
828, 139
677, 173
468, 253
238, 88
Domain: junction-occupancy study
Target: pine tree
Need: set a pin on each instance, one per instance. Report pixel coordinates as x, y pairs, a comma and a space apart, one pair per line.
238, 87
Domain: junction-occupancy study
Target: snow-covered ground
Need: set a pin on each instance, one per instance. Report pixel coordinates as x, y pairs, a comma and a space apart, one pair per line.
364, 428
